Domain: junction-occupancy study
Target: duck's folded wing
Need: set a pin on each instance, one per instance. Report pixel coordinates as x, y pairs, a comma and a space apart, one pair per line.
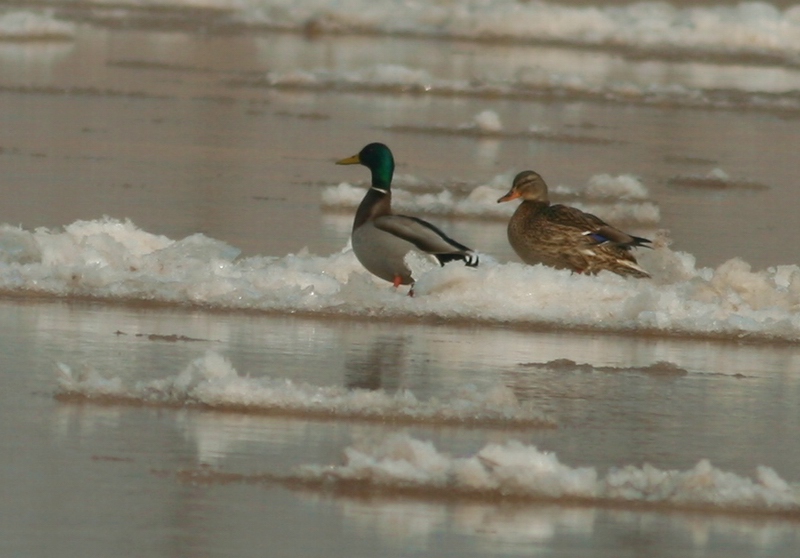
421, 234
573, 217
607, 233
592, 227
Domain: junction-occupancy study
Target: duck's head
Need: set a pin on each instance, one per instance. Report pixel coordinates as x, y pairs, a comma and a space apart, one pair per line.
378, 159
529, 186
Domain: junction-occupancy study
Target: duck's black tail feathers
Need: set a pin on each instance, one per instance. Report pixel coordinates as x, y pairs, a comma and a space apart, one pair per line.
470, 259
640, 242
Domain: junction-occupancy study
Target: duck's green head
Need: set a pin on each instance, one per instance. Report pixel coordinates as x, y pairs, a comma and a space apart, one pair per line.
378, 159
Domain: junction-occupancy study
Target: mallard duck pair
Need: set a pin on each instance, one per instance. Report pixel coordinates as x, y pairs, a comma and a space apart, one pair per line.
558, 236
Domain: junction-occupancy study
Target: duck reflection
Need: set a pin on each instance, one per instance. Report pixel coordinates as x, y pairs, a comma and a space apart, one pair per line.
377, 365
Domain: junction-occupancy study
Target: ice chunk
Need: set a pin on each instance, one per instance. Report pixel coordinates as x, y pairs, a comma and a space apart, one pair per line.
488, 121
211, 381
519, 471
115, 261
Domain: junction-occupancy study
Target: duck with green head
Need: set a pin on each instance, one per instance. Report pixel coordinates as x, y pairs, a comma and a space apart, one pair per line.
381, 240
565, 237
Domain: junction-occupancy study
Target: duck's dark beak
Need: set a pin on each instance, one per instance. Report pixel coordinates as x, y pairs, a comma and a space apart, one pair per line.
354, 160
512, 195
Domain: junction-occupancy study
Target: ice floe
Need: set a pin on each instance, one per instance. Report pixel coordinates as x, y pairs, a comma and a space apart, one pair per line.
488, 121
211, 381
747, 27
115, 261
717, 89
518, 471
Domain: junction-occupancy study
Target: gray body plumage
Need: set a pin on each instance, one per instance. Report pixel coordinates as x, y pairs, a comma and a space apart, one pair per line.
381, 240
382, 253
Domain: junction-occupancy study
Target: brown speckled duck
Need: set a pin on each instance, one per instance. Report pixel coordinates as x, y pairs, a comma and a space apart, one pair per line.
382, 239
565, 237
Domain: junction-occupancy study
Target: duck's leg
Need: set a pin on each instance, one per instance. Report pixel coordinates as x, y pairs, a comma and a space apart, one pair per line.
399, 281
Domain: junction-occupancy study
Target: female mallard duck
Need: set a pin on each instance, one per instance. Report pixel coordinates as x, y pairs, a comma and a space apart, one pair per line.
565, 237
382, 239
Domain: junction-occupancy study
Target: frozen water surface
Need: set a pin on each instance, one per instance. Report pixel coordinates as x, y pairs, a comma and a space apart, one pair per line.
116, 261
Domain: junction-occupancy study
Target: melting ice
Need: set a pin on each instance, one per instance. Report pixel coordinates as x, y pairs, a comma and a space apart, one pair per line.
114, 260
521, 471
747, 27
212, 382
769, 39
402, 463
697, 85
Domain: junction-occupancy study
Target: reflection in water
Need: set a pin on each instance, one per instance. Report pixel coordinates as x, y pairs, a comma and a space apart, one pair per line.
217, 436
380, 365
403, 523
667, 420
222, 437
514, 528
84, 421
518, 530
34, 61
486, 152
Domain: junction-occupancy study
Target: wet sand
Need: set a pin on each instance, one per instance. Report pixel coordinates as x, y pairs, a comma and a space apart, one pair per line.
163, 128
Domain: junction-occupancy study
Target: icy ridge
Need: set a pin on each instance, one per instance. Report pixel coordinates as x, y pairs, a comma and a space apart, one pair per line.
749, 27
115, 261
521, 471
212, 381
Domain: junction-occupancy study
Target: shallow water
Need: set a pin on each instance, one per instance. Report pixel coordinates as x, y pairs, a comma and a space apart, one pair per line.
92, 474
178, 131
178, 150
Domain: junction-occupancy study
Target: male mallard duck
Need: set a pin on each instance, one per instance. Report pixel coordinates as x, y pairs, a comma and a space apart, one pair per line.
565, 237
382, 239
